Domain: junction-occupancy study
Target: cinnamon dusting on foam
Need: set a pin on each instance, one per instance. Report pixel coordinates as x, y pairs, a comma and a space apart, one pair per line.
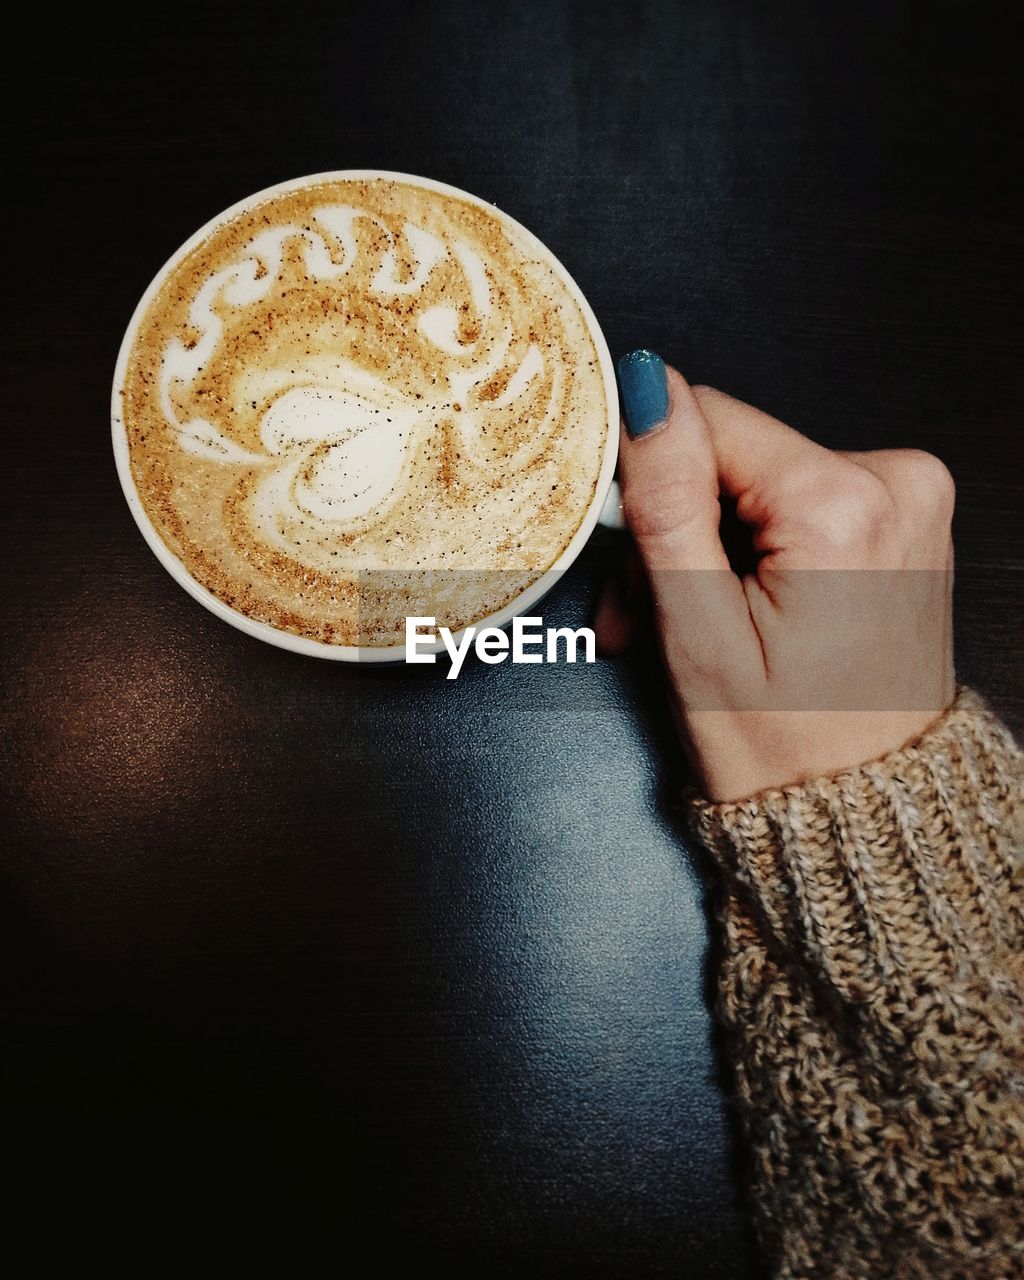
347, 398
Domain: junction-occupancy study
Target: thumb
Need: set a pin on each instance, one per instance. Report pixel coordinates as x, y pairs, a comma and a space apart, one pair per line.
669, 477
667, 468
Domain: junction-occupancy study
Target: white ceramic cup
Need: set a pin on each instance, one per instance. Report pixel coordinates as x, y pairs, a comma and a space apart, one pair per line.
605, 507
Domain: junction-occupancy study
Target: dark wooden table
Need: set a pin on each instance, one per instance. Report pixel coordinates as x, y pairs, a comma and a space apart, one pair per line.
304, 957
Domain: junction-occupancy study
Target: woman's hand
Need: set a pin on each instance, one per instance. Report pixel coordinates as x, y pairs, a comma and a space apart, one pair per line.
838, 646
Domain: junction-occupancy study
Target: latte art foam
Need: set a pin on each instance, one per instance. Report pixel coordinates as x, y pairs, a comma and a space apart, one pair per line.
361, 400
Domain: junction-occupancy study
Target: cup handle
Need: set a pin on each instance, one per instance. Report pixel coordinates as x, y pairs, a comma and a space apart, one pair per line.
611, 516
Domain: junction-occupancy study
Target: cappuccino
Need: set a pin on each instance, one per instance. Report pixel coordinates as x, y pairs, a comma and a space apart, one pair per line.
363, 399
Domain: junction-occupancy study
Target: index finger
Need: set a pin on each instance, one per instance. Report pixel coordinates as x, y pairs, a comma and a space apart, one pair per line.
757, 456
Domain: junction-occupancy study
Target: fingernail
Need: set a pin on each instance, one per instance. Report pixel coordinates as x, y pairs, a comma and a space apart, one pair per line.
644, 392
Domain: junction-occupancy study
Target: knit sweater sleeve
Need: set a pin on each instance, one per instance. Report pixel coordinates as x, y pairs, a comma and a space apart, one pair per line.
872, 991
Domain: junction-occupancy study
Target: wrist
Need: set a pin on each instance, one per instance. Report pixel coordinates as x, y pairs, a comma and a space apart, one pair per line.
737, 754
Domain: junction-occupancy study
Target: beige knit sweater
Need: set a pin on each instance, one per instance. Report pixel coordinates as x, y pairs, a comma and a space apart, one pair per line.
872, 987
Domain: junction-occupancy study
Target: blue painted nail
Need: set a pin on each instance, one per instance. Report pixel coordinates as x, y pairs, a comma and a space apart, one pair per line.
644, 392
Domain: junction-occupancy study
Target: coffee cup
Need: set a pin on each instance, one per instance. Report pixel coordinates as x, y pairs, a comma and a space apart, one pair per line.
241, 283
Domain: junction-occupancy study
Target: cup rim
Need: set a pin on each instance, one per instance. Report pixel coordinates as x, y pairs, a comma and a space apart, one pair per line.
304, 644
